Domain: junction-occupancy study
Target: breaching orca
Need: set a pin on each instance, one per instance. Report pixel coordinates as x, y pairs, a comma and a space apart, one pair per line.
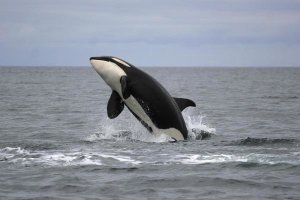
144, 96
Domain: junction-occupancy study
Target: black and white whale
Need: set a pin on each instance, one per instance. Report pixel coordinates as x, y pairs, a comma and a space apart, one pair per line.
144, 96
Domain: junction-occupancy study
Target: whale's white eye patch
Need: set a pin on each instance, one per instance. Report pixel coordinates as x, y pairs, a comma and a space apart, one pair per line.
120, 61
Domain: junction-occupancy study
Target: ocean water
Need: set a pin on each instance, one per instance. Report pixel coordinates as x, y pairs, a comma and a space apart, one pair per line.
56, 141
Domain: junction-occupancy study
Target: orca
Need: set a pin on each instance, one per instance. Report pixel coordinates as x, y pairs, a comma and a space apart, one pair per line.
144, 96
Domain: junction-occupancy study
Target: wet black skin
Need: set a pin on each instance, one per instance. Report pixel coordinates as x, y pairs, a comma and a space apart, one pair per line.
156, 101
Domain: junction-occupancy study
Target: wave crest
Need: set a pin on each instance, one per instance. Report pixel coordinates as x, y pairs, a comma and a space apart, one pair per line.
265, 141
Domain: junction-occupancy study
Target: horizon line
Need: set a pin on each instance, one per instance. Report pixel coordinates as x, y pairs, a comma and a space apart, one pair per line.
225, 66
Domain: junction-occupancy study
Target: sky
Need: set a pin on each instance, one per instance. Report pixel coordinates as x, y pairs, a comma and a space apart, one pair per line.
150, 33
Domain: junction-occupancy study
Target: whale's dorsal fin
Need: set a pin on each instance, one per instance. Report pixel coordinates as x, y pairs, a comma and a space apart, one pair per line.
115, 105
125, 87
184, 103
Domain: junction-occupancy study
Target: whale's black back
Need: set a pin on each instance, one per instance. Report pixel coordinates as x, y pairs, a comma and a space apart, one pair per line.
155, 100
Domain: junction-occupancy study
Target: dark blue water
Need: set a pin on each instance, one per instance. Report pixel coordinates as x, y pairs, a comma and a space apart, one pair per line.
56, 141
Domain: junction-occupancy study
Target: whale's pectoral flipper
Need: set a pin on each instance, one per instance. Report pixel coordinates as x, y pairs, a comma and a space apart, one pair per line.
184, 103
115, 105
125, 87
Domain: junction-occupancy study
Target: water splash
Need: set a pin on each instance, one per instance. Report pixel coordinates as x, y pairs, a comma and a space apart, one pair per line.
128, 129
124, 129
197, 130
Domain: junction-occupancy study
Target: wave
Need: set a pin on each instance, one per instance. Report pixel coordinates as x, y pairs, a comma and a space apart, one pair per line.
194, 159
266, 141
281, 97
129, 159
18, 155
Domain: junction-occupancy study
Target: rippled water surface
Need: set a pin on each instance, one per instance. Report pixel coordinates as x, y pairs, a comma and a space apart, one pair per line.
56, 141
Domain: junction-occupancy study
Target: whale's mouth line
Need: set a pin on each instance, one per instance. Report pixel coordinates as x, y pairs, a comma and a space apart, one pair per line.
111, 59
104, 58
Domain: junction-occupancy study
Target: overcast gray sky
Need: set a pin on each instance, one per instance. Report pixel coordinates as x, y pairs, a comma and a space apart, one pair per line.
150, 33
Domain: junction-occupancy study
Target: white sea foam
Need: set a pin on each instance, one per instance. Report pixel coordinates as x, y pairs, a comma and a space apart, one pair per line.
9, 153
122, 158
63, 158
122, 131
191, 159
79, 157
271, 159
13, 150
131, 129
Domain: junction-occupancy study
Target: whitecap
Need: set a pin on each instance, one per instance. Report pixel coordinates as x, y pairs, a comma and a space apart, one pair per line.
191, 159
77, 157
194, 159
